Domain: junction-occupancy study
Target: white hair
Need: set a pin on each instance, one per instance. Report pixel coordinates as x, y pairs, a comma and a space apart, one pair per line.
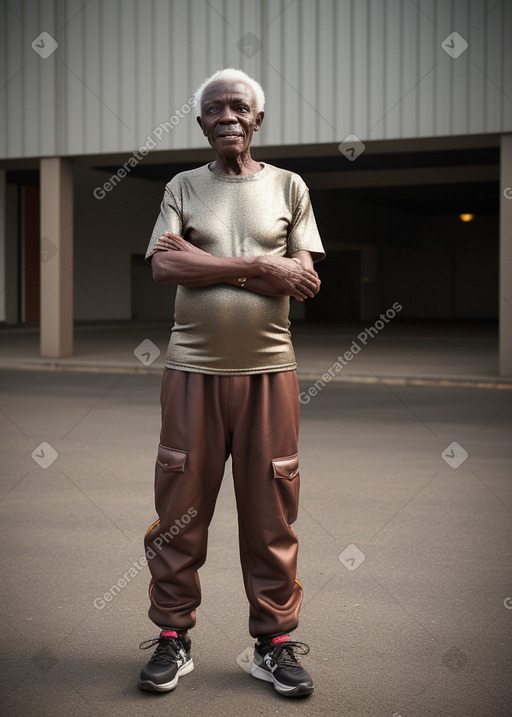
231, 74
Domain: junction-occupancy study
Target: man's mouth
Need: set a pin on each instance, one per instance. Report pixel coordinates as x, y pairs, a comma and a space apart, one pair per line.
230, 134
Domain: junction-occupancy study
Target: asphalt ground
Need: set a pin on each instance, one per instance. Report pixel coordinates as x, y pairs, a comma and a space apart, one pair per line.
405, 555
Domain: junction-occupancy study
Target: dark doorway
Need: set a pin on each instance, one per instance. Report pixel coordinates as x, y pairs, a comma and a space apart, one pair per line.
32, 252
340, 296
150, 301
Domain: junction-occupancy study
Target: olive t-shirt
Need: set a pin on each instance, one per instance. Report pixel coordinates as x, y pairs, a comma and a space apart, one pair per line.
224, 329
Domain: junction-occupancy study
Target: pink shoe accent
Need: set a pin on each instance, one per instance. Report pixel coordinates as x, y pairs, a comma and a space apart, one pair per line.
169, 633
280, 638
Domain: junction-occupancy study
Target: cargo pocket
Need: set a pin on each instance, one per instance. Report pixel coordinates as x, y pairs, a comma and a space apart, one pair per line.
171, 459
287, 481
169, 472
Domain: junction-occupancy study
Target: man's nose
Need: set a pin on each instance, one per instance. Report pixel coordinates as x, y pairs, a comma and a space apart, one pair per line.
227, 115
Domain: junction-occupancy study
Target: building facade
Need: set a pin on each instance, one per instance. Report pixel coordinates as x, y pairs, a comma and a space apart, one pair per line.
398, 114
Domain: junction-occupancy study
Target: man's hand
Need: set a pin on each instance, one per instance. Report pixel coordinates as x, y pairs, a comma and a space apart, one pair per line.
290, 276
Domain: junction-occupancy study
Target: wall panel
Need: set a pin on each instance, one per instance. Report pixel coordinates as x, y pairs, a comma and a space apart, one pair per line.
375, 68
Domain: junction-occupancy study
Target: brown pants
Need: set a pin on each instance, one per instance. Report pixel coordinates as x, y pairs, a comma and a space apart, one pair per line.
205, 418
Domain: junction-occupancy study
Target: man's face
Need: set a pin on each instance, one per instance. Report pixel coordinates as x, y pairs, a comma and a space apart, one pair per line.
229, 117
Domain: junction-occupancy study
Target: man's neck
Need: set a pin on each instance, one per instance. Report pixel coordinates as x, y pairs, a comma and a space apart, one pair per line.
236, 166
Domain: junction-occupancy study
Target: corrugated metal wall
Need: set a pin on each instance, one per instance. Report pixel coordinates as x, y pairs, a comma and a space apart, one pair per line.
375, 68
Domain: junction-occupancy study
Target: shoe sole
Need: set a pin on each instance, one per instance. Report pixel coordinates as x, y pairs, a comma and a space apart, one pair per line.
286, 690
167, 686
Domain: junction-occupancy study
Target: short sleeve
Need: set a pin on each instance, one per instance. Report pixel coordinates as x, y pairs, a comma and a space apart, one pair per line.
303, 234
169, 220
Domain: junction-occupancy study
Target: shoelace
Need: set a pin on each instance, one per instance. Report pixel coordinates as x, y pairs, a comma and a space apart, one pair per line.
284, 653
168, 649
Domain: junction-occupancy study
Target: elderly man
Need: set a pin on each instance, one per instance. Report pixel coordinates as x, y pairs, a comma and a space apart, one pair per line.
239, 238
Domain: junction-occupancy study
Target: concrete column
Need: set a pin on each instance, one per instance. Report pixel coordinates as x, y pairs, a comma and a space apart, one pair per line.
506, 256
56, 257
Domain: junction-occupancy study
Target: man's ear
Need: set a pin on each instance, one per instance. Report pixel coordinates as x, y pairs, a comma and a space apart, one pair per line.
259, 120
200, 124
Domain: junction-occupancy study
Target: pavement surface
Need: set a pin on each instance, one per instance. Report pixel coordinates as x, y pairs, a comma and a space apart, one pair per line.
405, 534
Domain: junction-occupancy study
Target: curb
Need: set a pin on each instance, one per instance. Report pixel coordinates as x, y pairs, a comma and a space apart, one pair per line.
496, 383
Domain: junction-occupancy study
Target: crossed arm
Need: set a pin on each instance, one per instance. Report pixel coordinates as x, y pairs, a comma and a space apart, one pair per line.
177, 261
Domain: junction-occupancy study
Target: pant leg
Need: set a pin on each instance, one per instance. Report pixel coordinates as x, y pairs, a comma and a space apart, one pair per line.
188, 474
266, 477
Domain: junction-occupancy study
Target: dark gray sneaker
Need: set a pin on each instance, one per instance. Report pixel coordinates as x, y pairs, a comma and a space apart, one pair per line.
169, 662
275, 661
